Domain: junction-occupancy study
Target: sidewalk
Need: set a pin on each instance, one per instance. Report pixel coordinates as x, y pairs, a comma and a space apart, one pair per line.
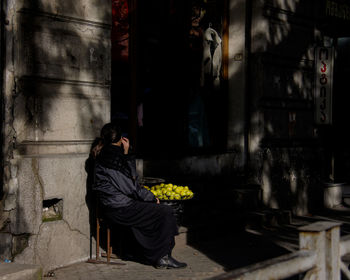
213, 254
214, 244
199, 267
209, 252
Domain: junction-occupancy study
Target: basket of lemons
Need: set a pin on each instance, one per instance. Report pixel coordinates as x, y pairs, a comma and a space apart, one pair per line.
170, 192
172, 195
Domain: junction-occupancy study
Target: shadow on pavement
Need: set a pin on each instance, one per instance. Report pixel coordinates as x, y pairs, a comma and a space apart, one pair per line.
216, 227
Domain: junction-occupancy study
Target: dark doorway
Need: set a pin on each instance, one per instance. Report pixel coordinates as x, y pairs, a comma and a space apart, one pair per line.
340, 138
2, 59
167, 82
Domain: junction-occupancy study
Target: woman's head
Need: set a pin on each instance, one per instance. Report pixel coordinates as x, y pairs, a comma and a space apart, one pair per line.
110, 133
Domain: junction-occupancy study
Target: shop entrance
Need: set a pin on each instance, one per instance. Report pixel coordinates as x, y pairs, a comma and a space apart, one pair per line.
2, 59
340, 138
168, 85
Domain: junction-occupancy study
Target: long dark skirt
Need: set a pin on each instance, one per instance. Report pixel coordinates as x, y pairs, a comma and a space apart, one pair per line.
154, 227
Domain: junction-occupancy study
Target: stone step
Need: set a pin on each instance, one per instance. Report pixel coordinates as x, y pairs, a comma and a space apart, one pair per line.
181, 239
268, 218
13, 271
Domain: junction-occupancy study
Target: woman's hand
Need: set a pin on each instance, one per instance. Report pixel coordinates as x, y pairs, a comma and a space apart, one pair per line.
126, 145
158, 202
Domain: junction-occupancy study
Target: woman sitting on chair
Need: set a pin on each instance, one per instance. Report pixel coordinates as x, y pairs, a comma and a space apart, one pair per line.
123, 201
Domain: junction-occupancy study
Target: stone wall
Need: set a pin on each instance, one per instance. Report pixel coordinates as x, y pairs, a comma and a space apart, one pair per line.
57, 97
283, 143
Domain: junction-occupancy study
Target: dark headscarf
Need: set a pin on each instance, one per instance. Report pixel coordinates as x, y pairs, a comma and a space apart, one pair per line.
113, 157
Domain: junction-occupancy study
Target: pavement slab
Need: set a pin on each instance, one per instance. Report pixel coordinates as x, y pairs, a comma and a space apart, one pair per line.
199, 267
13, 271
206, 253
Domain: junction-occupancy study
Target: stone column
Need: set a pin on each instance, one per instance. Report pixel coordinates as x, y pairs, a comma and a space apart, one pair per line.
57, 97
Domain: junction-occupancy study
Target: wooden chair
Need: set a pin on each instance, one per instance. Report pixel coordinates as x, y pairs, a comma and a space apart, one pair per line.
99, 221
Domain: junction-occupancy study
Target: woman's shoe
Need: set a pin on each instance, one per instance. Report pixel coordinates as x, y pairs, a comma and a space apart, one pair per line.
169, 262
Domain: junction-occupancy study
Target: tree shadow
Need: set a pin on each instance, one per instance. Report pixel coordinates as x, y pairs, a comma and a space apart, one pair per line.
67, 69
59, 65
66, 65
288, 156
285, 157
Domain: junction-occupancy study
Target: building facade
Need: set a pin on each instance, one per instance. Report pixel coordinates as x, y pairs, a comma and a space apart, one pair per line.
266, 109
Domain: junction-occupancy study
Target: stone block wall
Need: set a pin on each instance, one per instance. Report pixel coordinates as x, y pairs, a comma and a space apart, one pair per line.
57, 97
283, 144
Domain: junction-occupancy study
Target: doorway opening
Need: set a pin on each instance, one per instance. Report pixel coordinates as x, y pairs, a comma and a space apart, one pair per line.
168, 88
2, 60
339, 137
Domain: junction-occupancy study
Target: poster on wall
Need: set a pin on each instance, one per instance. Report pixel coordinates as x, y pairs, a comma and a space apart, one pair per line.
324, 61
120, 30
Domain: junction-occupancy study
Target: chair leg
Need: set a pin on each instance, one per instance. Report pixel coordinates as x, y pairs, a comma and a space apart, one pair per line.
97, 239
109, 249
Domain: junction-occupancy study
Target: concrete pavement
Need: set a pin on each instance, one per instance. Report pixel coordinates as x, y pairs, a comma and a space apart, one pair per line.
12, 271
199, 267
207, 253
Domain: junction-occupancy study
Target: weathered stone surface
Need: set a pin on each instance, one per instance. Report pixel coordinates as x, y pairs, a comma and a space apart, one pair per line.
13, 186
236, 76
14, 271
10, 202
26, 218
78, 9
56, 99
69, 184
28, 255
54, 250
48, 178
4, 220
19, 243
51, 51
59, 76
63, 178
5, 245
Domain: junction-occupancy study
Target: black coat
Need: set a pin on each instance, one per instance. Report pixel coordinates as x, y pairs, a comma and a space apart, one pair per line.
116, 179
125, 203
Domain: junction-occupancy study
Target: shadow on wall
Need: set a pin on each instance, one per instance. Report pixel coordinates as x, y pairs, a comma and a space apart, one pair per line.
286, 153
285, 156
63, 68
62, 78
65, 77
